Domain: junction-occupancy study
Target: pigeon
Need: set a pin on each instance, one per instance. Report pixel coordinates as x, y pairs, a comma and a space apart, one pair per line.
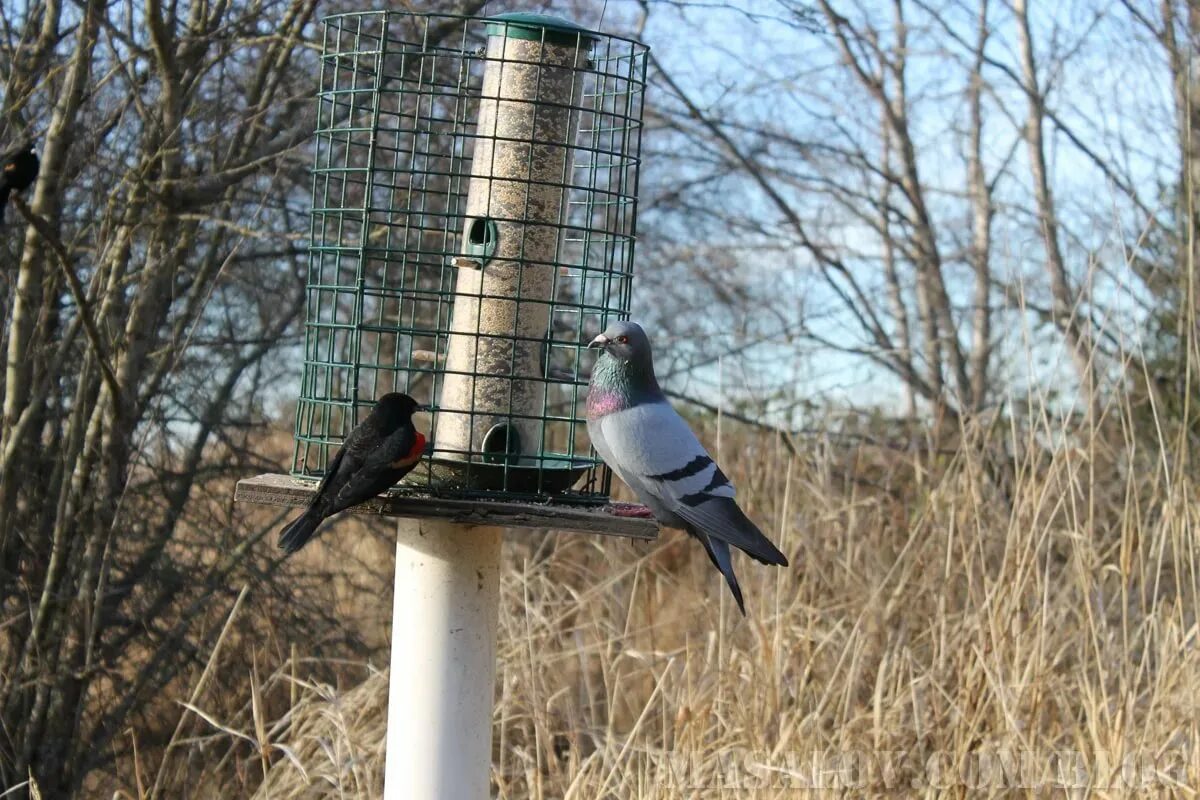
19, 171
381, 450
651, 448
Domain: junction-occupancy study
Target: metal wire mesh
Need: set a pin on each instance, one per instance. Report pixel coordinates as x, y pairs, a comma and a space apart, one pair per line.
473, 226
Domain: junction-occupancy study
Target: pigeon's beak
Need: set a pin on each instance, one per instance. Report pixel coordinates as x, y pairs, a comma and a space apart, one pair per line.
599, 343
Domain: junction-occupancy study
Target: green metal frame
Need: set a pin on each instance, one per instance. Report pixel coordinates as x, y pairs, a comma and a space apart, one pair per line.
394, 138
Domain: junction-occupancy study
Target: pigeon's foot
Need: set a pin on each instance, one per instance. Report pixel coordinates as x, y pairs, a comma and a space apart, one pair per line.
630, 510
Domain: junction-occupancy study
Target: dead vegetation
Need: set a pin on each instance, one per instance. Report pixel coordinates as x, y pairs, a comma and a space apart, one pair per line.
927, 626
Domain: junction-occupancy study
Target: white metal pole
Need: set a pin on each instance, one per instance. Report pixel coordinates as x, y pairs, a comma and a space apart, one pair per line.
440, 692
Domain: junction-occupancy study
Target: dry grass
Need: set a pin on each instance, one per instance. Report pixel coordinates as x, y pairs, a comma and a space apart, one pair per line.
941, 612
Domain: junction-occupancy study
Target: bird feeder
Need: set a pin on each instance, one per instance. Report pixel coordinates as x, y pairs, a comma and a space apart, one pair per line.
473, 227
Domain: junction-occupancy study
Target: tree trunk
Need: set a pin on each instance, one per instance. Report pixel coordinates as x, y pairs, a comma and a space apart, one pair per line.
1068, 306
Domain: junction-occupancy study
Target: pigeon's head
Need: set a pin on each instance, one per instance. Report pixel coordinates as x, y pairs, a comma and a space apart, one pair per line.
625, 341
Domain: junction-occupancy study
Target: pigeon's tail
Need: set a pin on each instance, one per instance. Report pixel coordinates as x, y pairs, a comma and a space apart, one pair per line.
722, 519
766, 552
718, 553
297, 534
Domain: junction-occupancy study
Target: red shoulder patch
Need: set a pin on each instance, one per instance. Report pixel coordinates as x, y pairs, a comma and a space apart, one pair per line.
414, 454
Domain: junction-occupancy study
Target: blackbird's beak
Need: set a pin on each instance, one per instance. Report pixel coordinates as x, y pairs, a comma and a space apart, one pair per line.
424, 408
599, 343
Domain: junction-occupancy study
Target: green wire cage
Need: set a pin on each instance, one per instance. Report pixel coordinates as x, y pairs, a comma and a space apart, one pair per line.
473, 226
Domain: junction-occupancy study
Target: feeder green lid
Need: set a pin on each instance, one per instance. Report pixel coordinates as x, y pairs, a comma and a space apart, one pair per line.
533, 27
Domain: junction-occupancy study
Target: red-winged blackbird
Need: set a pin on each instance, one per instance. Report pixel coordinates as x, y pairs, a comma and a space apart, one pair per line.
19, 171
381, 450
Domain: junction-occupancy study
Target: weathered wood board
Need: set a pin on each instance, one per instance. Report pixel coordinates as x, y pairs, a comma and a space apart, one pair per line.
284, 490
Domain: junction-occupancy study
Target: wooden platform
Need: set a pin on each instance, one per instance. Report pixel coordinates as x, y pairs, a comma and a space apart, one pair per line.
284, 490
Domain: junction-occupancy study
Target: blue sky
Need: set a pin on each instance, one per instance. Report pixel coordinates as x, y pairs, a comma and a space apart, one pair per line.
744, 63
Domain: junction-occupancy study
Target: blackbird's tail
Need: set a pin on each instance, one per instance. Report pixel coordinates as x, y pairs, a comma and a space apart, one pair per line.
4, 192
297, 534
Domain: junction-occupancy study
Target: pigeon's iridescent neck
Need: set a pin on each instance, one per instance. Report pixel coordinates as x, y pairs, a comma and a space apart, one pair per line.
601, 403
617, 385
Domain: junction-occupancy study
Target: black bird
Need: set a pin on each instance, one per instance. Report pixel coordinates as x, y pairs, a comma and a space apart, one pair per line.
19, 171
381, 450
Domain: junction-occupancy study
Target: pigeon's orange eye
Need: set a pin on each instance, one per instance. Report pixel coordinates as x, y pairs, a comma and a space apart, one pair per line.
622, 340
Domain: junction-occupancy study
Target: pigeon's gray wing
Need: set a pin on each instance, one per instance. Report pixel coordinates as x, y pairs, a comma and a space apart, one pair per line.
652, 448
